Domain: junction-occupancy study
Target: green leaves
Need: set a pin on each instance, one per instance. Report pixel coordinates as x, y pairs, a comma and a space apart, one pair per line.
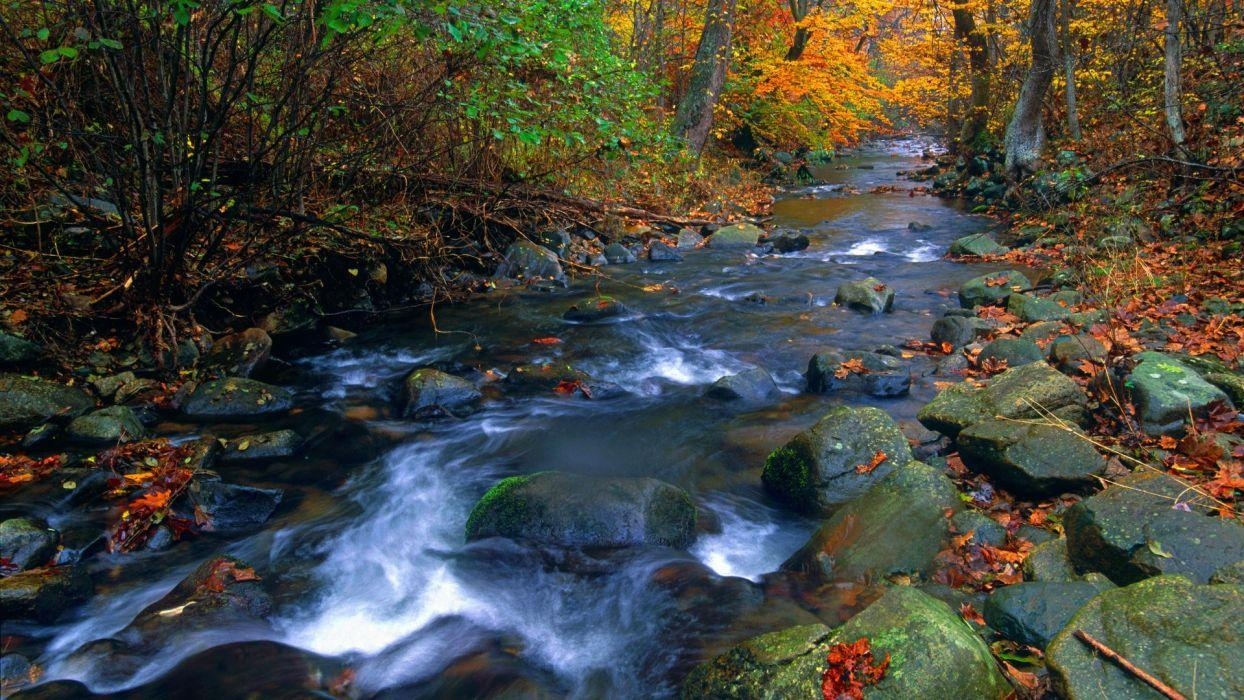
51, 56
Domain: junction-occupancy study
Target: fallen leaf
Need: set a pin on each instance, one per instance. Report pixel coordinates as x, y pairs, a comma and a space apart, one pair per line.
878, 457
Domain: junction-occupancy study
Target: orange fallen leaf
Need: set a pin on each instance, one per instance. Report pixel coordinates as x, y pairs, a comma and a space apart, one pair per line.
878, 457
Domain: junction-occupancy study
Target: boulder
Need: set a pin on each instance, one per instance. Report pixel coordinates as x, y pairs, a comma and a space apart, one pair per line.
618, 254
755, 386
1049, 561
240, 354
688, 239
789, 241
897, 527
229, 507
1033, 613
817, 469
43, 594
869, 295
1147, 524
1015, 352
15, 350
1231, 384
662, 252
1016, 393
1186, 635
556, 240
28, 401
431, 392
527, 260
1069, 351
279, 444
237, 398
742, 235
984, 529
598, 309
107, 426
784, 664
25, 544
578, 510
958, 330
1166, 391
1033, 309
1031, 460
977, 244
993, 289
882, 375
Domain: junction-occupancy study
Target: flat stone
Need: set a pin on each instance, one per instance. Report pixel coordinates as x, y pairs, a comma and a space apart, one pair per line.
28, 401
742, 235
279, 444
1021, 392
1033, 309
107, 426
1015, 352
754, 386
883, 375
1166, 391
992, 289
977, 244
431, 392
1034, 613
1031, 460
237, 397
25, 544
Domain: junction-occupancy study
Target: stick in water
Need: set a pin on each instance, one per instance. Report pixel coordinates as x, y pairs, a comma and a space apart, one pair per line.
1128, 666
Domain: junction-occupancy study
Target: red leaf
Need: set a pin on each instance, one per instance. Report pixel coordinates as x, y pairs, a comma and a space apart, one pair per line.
851, 667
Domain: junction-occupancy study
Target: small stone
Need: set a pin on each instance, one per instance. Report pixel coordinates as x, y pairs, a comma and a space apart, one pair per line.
869, 295
958, 331
25, 544
237, 397
662, 252
431, 392
753, 386
993, 289
1032, 309
107, 426
598, 309
240, 354
789, 241
279, 444
688, 239
1015, 352
977, 244
618, 254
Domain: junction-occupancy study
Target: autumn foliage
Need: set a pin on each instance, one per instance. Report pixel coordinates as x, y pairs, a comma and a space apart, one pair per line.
851, 668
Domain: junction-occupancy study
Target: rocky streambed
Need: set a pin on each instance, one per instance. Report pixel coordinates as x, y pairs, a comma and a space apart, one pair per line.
692, 478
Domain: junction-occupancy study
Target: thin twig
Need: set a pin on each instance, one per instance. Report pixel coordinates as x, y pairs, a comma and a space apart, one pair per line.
1128, 666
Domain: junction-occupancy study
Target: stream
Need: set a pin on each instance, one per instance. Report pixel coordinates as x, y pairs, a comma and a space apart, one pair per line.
366, 553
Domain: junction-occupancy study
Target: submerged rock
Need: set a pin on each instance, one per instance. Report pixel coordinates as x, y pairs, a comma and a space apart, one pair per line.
618, 254
662, 252
789, 241
754, 385
1166, 392
278, 444
230, 507
882, 375
1022, 392
993, 289
25, 544
1032, 461
43, 594
236, 398
431, 392
598, 309
578, 510
817, 469
869, 295
1186, 635
28, 401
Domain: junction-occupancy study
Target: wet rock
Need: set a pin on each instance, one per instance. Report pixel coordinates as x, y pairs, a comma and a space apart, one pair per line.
1166, 391
993, 289
977, 244
25, 544
251, 669
1013, 394
107, 426
279, 444
556, 240
1016, 352
789, 241
240, 354
527, 260
1031, 460
742, 235
1231, 384
869, 295
883, 375
548, 376
1042, 332
816, 470
16, 672
431, 392
1138, 528
229, 507
1231, 573
237, 398
576, 510
618, 254
1033, 309
897, 527
28, 401
43, 594
1049, 561
15, 350
1069, 351
984, 529
1033, 613
107, 387
777, 665
1186, 635
598, 309
755, 385
958, 330
661, 252
688, 239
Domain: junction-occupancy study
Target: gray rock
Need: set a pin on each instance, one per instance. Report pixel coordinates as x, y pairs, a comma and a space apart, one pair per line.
527, 260
1016, 393
984, 529
279, 444
28, 401
25, 544
958, 330
897, 527
1166, 391
993, 289
977, 244
431, 392
1049, 561
1032, 309
15, 350
1231, 573
240, 354
230, 507
43, 594
1034, 613
817, 469
597, 309
754, 385
661, 252
869, 295
1186, 635
1031, 460
742, 235
237, 398
107, 426
789, 241
1069, 351
1231, 384
1016, 352
618, 254
883, 376
556, 240
107, 387
688, 239
578, 510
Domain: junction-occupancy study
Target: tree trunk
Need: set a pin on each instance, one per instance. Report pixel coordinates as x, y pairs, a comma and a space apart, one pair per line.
694, 118
798, 44
1025, 135
1173, 83
976, 118
1069, 69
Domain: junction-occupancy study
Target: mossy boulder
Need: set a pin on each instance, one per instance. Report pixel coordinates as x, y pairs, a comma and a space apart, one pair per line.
527, 260
992, 289
15, 350
107, 426
431, 392
1031, 460
958, 330
237, 398
897, 527
882, 375
578, 510
869, 295
817, 469
778, 665
28, 401
1187, 635
742, 235
1015, 352
1034, 612
977, 244
595, 310
1021, 392
1049, 561
1033, 309
278, 444
1166, 391
239, 354
43, 594
1069, 351
1147, 524
26, 543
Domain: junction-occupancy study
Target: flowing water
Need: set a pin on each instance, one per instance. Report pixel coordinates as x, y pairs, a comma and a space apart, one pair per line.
367, 551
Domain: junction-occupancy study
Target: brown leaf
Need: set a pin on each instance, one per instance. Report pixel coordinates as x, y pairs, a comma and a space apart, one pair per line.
878, 457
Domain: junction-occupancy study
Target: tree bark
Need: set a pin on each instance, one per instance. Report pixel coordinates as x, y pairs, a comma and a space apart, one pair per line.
1069, 70
799, 9
976, 118
1173, 82
1025, 134
694, 117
